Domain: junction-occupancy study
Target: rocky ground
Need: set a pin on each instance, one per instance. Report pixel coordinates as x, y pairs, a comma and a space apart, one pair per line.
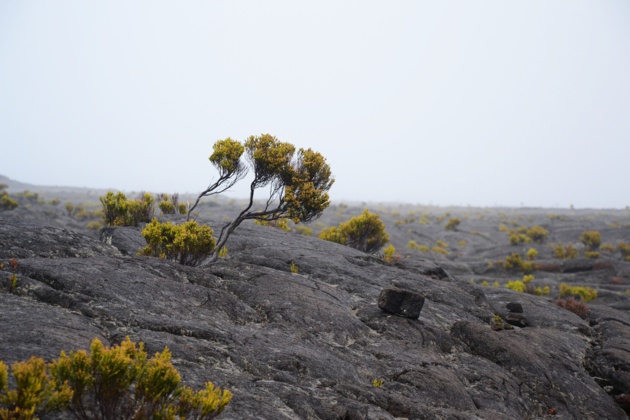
309, 345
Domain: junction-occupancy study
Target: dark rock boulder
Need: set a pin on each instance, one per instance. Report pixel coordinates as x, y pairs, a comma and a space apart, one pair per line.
401, 302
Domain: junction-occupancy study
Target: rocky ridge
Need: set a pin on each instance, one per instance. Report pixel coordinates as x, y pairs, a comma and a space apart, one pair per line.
309, 345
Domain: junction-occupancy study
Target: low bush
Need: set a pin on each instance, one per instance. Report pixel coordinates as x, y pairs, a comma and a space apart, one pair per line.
365, 232
624, 249
452, 224
578, 307
515, 262
531, 254
607, 248
537, 233
6, 202
188, 244
564, 252
591, 254
119, 211
585, 293
107, 384
390, 255
304, 230
591, 239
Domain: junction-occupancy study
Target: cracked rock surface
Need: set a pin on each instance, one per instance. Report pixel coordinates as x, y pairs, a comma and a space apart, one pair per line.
309, 345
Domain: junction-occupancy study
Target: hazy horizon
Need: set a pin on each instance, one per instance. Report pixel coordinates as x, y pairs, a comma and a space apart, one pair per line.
438, 103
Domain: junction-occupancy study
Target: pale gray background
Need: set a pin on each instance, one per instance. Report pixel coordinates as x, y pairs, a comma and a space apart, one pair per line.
433, 102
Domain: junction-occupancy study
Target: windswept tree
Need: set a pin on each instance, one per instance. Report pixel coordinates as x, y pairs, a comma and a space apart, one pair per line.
298, 181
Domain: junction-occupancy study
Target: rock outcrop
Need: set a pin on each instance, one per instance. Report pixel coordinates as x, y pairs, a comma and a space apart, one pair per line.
309, 345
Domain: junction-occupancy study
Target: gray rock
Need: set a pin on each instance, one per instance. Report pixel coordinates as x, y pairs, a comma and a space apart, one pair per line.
515, 307
401, 302
309, 345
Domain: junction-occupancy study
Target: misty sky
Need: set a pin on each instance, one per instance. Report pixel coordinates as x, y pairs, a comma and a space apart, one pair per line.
477, 103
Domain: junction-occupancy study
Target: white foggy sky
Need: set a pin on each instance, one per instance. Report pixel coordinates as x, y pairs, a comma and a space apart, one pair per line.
433, 102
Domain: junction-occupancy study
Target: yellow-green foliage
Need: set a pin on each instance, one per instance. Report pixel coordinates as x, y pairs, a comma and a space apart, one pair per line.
585, 293
516, 237
120, 381
531, 254
223, 253
485, 283
591, 239
503, 228
462, 243
537, 233
94, 225
332, 234
526, 286
35, 393
365, 232
167, 207
119, 211
496, 284
515, 262
440, 250
441, 244
624, 248
607, 247
452, 224
591, 254
281, 223
294, 268
565, 251
28, 196
189, 243
55, 201
390, 255
304, 230
377, 383
6, 202
413, 245
516, 285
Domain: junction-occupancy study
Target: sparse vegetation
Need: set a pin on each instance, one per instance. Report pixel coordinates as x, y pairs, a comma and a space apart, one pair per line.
452, 224
188, 244
108, 383
282, 223
6, 202
561, 251
299, 181
531, 254
365, 232
119, 211
585, 293
591, 240
578, 307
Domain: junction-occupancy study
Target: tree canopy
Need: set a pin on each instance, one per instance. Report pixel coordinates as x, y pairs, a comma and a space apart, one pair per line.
298, 180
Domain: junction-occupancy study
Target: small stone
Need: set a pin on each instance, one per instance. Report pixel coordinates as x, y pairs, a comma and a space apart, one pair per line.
515, 307
401, 302
516, 319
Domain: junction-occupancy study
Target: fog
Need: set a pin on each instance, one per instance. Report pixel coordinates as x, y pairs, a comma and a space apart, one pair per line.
478, 103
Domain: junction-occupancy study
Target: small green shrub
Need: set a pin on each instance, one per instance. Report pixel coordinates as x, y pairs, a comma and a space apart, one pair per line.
120, 382
390, 255
294, 268
35, 394
6, 202
585, 293
332, 234
624, 248
365, 232
607, 248
452, 224
189, 243
515, 262
591, 239
591, 255
561, 251
516, 285
119, 211
537, 233
304, 230
377, 383
531, 254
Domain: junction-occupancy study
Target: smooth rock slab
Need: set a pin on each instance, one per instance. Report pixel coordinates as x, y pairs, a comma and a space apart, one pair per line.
401, 302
